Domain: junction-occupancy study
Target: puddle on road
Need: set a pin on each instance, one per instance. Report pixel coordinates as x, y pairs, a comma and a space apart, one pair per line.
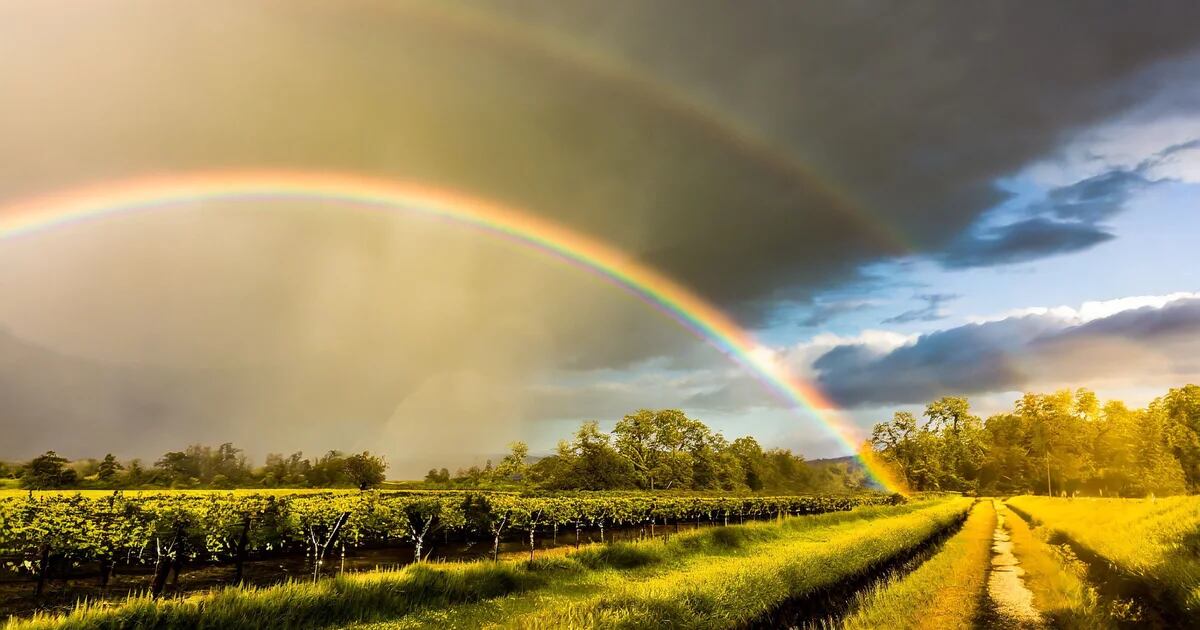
1012, 600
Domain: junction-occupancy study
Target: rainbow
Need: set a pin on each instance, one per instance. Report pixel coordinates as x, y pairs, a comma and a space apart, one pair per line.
553, 48
664, 294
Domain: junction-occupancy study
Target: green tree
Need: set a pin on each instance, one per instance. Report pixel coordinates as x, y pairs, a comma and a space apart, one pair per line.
660, 447
1182, 410
588, 462
48, 471
109, 469
179, 468
513, 467
365, 470
753, 461
961, 442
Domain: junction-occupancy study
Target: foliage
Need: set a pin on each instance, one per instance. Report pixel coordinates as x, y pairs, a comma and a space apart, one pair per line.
48, 471
226, 526
444, 591
365, 470
1060, 443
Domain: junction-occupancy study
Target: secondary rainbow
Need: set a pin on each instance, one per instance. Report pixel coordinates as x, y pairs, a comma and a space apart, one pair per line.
650, 286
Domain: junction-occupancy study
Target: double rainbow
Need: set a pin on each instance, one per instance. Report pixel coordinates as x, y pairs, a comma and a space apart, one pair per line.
648, 285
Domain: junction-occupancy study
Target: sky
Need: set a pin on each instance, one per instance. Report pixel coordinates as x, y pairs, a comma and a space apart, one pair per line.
899, 201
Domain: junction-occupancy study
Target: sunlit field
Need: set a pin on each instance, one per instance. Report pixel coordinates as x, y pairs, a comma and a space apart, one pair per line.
595, 314
713, 562
1150, 548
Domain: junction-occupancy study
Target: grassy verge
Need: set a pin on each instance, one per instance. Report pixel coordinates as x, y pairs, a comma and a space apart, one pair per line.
1057, 580
945, 592
1153, 544
435, 587
737, 589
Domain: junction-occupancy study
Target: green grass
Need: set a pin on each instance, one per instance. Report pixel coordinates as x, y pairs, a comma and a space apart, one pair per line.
307, 604
947, 591
13, 490
1154, 542
1057, 580
733, 588
464, 592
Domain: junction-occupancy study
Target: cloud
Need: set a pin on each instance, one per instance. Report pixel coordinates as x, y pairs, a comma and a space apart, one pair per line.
823, 312
1144, 343
1096, 198
1022, 241
748, 154
1070, 217
932, 311
667, 159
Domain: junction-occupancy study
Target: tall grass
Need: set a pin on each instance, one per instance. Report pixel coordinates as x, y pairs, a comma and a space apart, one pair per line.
365, 597
1058, 583
947, 591
1152, 542
735, 590
357, 597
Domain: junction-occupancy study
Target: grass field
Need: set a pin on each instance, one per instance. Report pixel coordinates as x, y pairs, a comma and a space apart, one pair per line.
945, 592
890, 566
1152, 543
711, 577
11, 490
1056, 578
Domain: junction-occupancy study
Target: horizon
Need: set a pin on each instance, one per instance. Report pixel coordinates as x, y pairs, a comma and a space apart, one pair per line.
871, 225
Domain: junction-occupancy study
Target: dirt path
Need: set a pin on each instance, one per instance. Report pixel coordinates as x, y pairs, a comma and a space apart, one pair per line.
1012, 602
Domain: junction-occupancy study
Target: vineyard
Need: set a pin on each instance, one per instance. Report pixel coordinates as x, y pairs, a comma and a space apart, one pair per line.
168, 530
933, 561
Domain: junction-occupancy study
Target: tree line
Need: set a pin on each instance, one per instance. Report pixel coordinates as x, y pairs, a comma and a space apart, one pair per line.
1067, 442
656, 450
200, 466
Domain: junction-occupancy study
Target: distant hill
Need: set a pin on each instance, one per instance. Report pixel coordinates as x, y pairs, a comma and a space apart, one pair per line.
849, 462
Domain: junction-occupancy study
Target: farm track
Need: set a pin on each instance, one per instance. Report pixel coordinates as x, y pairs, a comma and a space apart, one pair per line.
1010, 602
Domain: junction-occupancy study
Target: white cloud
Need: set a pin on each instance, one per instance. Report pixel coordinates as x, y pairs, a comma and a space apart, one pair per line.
800, 357
1125, 144
1088, 311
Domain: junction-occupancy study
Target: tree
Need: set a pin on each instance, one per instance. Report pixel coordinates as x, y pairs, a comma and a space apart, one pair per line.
752, 460
179, 468
660, 446
109, 468
365, 470
587, 463
328, 472
512, 467
960, 434
1156, 470
48, 471
1182, 410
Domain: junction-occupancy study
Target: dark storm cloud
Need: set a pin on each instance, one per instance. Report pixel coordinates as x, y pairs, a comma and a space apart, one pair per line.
911, 109
1022, 241
1069, 219
907, 113
931, 312
1018, 352
757, 155
822, 312
1096, 198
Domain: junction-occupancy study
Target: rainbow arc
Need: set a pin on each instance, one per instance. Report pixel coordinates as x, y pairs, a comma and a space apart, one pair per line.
649, 285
